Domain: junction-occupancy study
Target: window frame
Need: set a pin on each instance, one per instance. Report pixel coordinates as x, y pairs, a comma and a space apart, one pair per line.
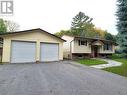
82, 42
108, 47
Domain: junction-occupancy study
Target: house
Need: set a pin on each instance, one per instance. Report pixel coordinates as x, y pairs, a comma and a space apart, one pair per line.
35, 45
75, 47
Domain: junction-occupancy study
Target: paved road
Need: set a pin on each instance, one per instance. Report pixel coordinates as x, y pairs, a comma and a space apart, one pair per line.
59, 78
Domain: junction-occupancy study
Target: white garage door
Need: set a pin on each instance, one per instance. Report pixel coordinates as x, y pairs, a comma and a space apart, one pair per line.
49, 52
23, 52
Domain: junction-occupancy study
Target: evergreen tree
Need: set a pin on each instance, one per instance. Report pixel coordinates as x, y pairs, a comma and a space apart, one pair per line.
122, 25
81, 24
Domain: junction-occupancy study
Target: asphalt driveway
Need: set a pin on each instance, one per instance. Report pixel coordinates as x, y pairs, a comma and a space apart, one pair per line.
59, 78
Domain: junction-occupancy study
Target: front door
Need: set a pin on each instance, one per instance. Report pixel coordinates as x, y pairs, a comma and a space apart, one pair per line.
94, 51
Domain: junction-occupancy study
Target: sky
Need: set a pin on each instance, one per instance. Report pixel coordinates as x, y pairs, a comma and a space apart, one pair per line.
56, 15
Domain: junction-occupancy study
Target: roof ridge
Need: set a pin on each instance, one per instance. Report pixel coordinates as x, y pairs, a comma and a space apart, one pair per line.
8, 33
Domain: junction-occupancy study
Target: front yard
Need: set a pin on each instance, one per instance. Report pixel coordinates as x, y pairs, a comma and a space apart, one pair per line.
121, 70
89, 61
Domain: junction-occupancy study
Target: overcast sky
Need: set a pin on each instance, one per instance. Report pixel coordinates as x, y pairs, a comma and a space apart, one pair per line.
56, 15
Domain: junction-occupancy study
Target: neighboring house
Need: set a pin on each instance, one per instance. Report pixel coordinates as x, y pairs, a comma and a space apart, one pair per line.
35, 45
87, 47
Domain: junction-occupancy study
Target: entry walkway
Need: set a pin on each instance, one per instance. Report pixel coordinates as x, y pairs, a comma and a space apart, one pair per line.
111, 63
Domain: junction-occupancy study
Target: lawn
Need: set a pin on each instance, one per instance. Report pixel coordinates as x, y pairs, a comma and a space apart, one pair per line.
91, 61
121, 70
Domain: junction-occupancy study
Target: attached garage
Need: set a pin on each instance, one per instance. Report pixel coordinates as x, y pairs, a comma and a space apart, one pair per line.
28, 46
49, 52
23, 52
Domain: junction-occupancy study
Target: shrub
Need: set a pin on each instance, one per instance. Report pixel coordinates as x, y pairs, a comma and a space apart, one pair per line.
115, 56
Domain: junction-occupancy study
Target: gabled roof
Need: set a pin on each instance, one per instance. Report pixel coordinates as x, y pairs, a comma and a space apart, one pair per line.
31, 30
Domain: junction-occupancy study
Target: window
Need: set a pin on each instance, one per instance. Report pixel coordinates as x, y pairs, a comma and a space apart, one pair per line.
80, 42
108, 47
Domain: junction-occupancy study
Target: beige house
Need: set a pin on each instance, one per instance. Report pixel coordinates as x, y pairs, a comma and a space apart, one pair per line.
33, 45
86, 47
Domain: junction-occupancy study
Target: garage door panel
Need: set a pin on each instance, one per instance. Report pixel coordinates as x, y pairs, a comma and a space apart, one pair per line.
49, 52
23, 52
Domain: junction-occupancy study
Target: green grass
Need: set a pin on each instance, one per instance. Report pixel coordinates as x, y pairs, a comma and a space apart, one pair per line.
91, 61
121, 70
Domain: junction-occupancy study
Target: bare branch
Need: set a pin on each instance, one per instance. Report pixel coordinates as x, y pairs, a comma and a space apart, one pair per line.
12, 26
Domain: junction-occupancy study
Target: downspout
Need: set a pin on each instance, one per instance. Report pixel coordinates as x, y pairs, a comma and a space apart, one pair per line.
71, 49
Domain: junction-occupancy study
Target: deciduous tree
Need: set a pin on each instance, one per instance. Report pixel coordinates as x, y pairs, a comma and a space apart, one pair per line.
11, 26
3, 27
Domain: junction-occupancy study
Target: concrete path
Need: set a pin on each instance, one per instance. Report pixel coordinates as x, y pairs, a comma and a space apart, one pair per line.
59, 78
111, 63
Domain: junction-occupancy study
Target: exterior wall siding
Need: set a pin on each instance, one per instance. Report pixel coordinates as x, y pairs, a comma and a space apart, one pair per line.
81, 48
37, 37
102, 51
